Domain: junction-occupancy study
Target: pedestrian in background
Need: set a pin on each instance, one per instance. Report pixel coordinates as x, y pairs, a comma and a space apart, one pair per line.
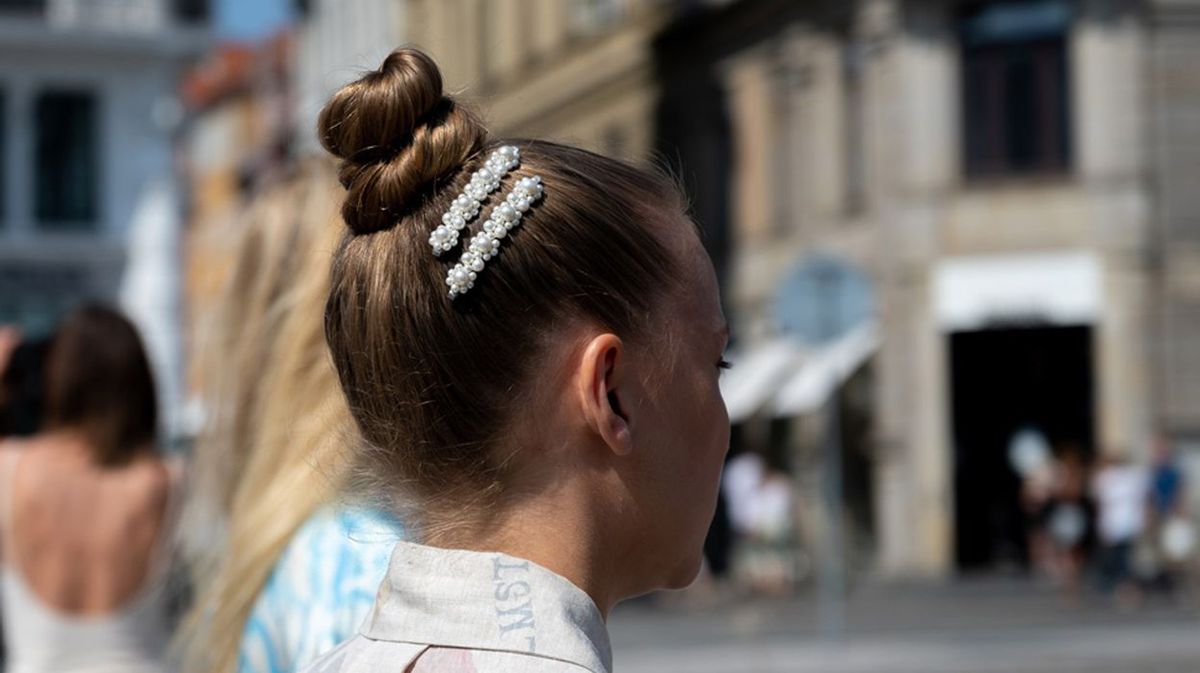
86, 509
759, 491
1119, 488
297, 564
1069, 517
1172, 532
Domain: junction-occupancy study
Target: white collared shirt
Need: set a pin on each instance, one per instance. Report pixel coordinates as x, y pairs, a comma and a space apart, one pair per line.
456, 611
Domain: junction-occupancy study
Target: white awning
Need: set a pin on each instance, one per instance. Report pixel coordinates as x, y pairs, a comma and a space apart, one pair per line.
756, 376
1060, 288
824, 371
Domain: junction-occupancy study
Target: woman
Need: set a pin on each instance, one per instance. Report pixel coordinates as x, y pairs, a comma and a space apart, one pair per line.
85, 512
297, 567
541, 399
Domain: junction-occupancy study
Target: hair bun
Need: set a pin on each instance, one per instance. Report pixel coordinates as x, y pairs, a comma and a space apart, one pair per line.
396, 133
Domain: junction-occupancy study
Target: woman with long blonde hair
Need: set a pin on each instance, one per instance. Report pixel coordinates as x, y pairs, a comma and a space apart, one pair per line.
296, 567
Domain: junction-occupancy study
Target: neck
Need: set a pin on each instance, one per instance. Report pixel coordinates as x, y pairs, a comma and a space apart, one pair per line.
560, 535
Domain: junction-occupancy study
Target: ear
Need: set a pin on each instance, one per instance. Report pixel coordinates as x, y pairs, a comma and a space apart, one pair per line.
600, 378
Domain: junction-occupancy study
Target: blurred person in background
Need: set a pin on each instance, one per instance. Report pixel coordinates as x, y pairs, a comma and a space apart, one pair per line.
86, 508
297, 566
1171, 530
1030, 456
22, 362
10, 337
759, 491
553, 424
1069, 518
22, 379
1167, 484
1120, 490
22, 365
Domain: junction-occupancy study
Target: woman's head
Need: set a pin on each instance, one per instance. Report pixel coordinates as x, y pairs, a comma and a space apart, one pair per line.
592, 340
98, 383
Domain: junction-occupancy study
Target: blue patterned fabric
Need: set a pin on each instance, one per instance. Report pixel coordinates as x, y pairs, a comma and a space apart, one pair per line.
320, 591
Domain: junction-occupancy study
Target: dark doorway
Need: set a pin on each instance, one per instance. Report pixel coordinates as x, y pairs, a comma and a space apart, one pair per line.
1001, 380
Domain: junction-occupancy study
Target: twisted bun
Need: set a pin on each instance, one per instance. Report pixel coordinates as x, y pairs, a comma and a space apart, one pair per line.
397, 134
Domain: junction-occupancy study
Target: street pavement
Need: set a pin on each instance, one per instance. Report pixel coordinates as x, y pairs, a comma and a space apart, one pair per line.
1006, 626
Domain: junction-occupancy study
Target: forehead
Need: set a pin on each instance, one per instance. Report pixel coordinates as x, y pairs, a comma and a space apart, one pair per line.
697, 302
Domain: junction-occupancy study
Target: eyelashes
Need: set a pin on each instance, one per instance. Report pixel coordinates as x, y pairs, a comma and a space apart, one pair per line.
724, 364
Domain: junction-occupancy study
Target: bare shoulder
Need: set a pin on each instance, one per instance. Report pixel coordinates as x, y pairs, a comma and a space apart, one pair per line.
11, 446
10, 449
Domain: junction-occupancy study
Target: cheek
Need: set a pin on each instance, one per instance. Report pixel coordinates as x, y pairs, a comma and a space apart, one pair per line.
691, 439
704, 429
712, 420
720, 419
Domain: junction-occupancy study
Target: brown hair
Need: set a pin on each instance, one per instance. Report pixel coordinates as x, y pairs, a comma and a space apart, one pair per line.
431, 380
98, 382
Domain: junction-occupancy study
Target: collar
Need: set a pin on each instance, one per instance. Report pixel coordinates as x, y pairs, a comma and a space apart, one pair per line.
487, 601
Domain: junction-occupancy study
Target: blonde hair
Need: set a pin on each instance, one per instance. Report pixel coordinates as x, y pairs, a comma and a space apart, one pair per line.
273, 452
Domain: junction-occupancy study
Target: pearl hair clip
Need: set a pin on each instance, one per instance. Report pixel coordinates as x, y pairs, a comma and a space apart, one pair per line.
485, 244
466, 205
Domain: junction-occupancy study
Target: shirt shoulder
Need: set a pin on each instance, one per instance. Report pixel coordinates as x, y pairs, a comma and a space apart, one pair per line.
364, 654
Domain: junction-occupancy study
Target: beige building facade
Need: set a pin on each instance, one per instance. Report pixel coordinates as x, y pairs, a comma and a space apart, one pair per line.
1053, 228
576, 71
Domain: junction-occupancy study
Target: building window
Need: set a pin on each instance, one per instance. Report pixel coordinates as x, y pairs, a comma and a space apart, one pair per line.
192, 11
1015, 88
65, 159
33, 6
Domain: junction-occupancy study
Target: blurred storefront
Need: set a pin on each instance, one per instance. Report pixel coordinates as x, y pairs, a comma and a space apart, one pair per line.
89, 206
1000, 171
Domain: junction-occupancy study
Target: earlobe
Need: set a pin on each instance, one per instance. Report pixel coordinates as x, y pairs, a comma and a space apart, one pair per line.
602, 376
